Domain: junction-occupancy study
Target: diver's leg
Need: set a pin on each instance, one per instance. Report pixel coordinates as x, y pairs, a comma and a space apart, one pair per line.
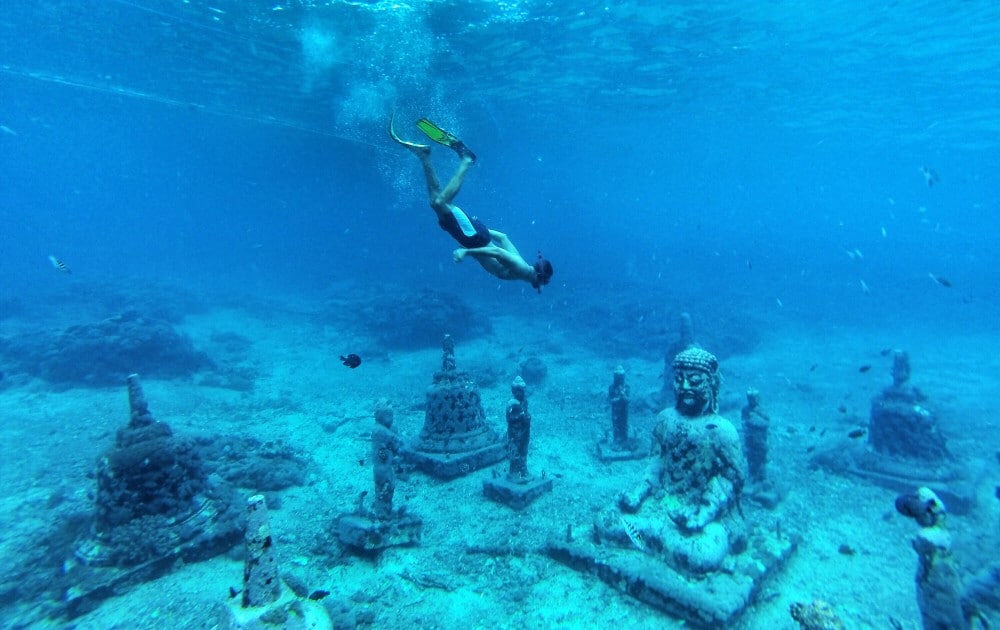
423, 153
455, 184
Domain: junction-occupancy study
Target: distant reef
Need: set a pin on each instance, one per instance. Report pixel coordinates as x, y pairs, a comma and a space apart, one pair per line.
103, 353
403, 318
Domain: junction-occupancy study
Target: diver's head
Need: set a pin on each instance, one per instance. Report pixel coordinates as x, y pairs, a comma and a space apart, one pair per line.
543, 273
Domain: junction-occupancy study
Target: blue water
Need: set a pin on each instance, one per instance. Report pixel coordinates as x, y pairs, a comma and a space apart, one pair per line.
765, 155
232, 141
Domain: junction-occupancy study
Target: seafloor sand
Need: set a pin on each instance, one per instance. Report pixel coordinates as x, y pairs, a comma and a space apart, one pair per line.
52, 439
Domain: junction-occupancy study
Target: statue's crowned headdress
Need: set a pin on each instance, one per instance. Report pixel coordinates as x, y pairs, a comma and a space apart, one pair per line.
699, 360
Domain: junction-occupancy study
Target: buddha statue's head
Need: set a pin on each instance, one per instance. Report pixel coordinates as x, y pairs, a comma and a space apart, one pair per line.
696, 382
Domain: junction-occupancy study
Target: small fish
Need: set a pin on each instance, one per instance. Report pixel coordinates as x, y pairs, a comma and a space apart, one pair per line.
930, 176
884, 232
864, 368
812, 429
7, 130
856, 433
233, 593
842, 408
318, 595
352, 360
711, 426
749, 265
945, 282
812, 368
811, 449
633, 535
864, 287
60, 265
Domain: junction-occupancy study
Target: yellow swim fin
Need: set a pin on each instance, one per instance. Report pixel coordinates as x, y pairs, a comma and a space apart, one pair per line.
441, 136
436, 133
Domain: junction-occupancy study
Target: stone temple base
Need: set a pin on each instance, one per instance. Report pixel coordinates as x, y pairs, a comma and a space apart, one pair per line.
710, 601
513, 494
451, 465
947, 479
633, 449
286, 613
370, 534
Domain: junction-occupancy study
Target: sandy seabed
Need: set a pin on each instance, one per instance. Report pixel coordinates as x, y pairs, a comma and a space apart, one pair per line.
479, 564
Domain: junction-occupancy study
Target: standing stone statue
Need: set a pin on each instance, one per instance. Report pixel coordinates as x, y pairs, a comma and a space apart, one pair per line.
518, 432
383, 525
519, 487
622, 445
756, 422
385, 448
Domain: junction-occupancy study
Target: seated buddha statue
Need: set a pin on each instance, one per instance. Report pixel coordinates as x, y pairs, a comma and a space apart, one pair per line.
686, 509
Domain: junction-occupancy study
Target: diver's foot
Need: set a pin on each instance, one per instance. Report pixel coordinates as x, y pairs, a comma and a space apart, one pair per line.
417, 149
463, 151
459, 254
448, 139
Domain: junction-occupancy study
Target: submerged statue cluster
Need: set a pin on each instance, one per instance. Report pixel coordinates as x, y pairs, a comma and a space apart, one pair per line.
683, 537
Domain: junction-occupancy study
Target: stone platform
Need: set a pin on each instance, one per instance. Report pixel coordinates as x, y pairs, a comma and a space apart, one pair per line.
633, 449
947, 478
370, 534
455, 464
709, 601
513, 494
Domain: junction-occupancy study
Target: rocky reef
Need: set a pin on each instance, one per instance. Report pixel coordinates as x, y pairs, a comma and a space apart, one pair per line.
103, 353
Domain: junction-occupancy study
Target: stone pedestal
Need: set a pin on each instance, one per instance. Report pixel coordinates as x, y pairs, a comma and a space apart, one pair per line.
713, 600
515, 494
365, 532
455, 439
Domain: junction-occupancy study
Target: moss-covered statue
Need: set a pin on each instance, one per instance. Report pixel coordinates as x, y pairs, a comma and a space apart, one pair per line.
686, 510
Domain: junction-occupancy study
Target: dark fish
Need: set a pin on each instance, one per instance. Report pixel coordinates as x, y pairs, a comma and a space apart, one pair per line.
60, 265
749, 265
864, 368
812, 429
711, 426
233, 593
856, 433
945, 282
812, 368
352, 360
811, 449
842, 408
318, 595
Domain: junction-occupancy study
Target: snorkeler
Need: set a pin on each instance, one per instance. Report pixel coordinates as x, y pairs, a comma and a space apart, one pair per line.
491, 249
